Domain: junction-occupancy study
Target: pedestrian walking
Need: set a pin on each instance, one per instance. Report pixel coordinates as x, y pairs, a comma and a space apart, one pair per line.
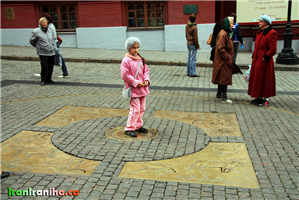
58, 42
192, 45
140, 85
237, 36
223, 60
44, 41
262, 74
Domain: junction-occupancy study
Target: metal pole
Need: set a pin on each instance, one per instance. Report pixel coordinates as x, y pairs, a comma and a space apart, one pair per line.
287, 55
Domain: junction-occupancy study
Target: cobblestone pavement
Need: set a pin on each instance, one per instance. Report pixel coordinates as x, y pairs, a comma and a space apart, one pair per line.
270, 134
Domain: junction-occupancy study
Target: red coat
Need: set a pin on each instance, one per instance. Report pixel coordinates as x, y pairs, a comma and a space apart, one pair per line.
262, 74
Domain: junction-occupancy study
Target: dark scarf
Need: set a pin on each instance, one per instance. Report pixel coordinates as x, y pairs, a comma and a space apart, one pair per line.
44, 29
226, 26
265, 31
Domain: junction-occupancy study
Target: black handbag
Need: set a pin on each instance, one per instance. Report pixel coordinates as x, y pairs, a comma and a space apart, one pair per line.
212, 54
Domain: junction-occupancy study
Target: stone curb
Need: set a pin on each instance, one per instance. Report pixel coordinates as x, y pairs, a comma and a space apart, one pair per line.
156, 62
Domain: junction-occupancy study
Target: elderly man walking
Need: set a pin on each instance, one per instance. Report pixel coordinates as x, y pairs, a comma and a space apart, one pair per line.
192, 45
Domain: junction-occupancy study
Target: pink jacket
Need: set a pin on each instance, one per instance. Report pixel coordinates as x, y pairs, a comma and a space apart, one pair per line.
128, 69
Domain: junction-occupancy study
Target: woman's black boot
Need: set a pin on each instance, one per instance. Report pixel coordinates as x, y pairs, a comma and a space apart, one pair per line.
257, 101
218, 94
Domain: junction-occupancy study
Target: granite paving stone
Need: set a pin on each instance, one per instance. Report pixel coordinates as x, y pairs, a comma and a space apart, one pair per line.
219, 197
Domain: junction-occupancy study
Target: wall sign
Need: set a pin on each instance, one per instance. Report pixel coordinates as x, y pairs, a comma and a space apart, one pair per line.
249, 11
9, 14
189, 9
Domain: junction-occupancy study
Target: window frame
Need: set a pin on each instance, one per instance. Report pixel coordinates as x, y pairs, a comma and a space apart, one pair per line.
58, 4
146, 18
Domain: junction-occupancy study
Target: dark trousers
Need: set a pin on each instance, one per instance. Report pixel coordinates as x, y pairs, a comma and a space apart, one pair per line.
236, 49
47, 65
222, 88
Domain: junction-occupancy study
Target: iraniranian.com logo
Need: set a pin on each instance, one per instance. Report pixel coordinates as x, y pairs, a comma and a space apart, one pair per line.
50, 192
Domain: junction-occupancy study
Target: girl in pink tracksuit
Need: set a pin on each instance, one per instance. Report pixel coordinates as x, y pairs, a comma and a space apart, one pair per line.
129, 66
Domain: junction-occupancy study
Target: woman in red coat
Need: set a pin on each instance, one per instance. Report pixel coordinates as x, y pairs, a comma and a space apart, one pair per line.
262, 74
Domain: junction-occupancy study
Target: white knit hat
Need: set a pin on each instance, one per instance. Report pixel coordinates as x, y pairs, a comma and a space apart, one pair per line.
131, 41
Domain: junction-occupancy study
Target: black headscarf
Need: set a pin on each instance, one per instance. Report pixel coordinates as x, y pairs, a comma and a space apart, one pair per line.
216, 30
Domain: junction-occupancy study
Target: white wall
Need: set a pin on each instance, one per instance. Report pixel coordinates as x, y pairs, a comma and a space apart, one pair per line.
69, 39
16, 37
172, 38
21, 37
175, 37
101, 38
150, 39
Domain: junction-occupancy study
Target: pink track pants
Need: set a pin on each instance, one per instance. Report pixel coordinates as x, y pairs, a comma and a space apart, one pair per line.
137, 109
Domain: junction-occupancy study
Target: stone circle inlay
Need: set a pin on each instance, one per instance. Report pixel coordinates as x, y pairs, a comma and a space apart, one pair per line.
87, 139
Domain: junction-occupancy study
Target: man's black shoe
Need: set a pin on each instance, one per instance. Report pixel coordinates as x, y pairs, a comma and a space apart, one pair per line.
50, 81
194, 75
131, 133
142, 130
5, 174
42, 83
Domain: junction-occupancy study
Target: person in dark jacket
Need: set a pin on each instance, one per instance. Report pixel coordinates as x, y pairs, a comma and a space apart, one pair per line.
216, 30
44, 42
237, 36
223, 60
192, 45
262, 74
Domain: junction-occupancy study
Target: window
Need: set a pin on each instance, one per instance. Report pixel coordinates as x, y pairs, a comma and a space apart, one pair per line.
63, 15
145, 14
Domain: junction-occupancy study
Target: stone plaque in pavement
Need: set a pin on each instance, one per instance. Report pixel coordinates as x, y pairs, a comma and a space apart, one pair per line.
32, 151
226, 164
118, 133
214, 124
71, 114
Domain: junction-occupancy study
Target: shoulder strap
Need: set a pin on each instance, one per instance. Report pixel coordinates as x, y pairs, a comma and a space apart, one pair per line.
137, 69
